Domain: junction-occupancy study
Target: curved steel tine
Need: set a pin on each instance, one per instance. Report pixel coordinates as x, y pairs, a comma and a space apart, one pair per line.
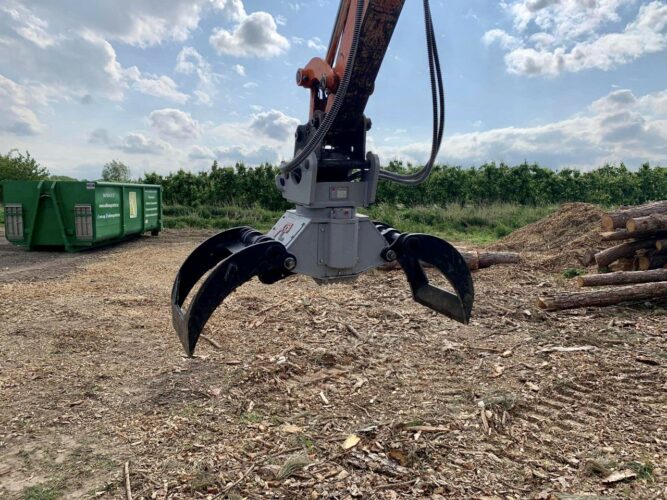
263, 259
204, 258
412, 249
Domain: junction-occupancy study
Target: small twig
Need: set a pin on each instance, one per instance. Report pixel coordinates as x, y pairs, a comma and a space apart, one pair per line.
272, 306
128, 487
395, 485
362, 409
235, 483
353, 331
211, 341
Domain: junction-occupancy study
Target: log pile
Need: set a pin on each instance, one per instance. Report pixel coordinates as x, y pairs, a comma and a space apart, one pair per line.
644, 232
638, 263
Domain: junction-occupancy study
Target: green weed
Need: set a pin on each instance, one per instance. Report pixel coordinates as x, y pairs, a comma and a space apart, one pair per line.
476, 224
573, 272
41, 492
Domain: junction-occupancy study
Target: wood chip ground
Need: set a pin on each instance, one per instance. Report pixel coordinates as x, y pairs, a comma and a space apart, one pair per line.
520, 404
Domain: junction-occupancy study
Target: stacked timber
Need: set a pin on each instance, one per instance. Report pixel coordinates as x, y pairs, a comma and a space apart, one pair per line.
638, 262
645, 230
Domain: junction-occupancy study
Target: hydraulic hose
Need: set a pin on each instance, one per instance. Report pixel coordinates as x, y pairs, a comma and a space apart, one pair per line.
316, 140
438, 97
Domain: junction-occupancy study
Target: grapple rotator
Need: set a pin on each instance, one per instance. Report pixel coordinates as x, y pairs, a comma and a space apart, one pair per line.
330, 177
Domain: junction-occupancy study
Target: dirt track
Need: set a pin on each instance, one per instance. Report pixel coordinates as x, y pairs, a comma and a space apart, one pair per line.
92, 376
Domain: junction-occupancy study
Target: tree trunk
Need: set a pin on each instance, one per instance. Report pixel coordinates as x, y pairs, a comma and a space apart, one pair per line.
608, 256
623, 278
624, 234
652, 223
655, 261
482, 260
475, 260
619, 219
599, 298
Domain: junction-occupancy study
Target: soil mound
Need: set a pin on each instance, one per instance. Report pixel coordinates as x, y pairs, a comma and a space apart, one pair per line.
561, 239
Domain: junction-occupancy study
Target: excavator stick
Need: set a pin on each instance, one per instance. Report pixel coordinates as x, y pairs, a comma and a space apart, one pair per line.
329, 178
235, 256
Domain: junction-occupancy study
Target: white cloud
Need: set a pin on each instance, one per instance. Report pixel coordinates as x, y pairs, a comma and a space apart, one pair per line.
16, 117
174, 124
239, 69
256, 35
274, 124
203, 99
190, 62
201, 153
131, 143
231, 9
316, 44
135, 143
570, 37
505, 40
229, 155
249, 156
135, 22
160, 86
618, 127
76, 63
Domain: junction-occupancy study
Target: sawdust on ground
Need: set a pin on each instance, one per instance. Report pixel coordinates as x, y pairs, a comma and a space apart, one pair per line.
92, 376
561, 240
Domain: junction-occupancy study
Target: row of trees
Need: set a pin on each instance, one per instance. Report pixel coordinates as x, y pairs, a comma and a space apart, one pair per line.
522, 184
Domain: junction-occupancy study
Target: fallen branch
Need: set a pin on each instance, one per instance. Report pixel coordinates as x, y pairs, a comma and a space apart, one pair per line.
128, 486
607, 297
211, 341
623, 278
567, 349
355, 333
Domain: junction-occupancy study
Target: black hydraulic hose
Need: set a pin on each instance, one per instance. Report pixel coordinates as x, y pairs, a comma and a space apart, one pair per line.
316, 140
438, 96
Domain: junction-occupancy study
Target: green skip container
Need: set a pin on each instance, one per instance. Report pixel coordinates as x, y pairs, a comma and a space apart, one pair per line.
78, 215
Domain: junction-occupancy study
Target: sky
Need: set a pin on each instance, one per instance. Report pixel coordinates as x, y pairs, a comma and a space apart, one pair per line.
168, 84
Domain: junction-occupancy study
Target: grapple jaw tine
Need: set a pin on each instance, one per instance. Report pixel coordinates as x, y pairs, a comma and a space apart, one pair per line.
235, 256
411, 250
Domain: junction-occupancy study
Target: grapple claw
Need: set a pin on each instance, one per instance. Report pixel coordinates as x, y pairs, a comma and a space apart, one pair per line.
411, 250
235, 257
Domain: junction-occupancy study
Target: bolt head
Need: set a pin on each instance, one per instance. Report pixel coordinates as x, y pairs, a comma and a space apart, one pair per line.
290, 263
390, 255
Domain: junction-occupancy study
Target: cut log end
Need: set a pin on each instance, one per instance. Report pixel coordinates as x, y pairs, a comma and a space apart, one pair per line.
608, 223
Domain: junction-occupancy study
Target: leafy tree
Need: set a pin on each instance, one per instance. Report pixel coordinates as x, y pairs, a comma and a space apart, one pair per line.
15, 166
523, 184
18, 167
116, 171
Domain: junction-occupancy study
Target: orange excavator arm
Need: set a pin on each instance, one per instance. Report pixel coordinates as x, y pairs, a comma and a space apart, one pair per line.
323, 76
